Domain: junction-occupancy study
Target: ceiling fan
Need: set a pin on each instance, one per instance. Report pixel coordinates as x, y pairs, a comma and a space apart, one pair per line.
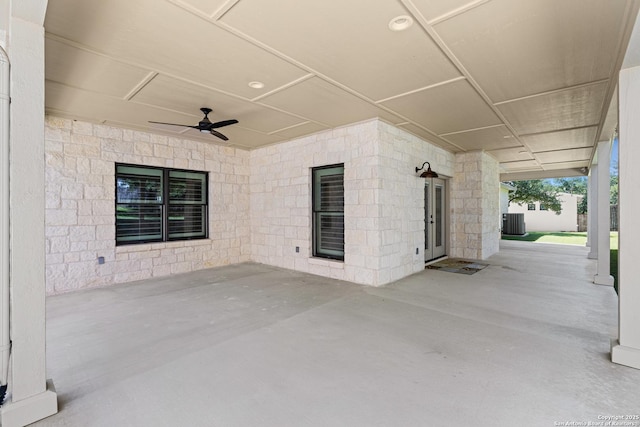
205, 125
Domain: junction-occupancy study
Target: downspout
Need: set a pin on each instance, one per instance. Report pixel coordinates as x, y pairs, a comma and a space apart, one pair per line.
5, 340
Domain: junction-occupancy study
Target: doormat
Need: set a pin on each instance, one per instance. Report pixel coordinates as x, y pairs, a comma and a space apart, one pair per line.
457, 265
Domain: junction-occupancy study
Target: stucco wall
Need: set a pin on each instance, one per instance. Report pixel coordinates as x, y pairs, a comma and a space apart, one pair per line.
538, 220
80, 191
475, 206
384, 205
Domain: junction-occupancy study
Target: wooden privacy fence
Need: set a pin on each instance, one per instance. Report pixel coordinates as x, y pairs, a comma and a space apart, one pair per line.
613, 209
582, 222
613, 226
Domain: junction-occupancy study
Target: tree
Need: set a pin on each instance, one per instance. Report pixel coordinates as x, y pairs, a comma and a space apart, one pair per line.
536, 191
613, 195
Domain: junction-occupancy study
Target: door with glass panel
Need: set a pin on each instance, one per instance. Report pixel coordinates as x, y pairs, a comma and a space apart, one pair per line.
434, 218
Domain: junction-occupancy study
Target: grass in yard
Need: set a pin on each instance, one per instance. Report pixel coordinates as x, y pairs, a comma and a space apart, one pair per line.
567, 238
572, 238
613, 265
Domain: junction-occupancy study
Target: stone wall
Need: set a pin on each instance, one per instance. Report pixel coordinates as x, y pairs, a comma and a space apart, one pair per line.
384, 201
260, 203
475, 206
402, 199
80, 196
491, 220
281, 202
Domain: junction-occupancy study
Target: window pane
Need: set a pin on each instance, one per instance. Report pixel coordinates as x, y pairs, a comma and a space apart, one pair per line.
332, 193
138, 185
187, 187
186, 221
330, 233
329, 189
138, 223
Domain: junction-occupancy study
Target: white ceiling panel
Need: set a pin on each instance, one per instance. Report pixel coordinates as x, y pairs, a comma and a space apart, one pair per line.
430, 137
169, 40
511, 154
85, 70
540, 174
518, 48
300, 130
188, 98
432, 9
447, 108
567, 109
567, 165
572, 138
521, 165
83, 104
565, 155
329, 105
348, 41
206, 7
490, 138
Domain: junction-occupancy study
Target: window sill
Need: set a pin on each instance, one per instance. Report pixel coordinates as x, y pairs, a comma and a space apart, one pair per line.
327, 262
162, 245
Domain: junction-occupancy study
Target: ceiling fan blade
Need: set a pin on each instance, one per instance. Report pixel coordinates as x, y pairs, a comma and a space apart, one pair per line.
171, 124
219, 135
223, 123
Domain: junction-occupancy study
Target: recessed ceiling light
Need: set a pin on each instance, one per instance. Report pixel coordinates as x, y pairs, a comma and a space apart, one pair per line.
400, 23
256, 85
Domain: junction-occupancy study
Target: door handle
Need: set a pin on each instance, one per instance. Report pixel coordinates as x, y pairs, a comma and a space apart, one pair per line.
432, 222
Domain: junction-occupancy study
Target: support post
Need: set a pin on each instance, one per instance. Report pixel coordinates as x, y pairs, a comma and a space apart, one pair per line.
626, 349
589, 216
593, 212
31, 396
603, 241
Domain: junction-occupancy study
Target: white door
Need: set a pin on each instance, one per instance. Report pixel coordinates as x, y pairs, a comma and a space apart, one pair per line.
434, 218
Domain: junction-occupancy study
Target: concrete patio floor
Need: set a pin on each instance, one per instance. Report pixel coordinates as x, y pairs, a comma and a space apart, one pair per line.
523, 342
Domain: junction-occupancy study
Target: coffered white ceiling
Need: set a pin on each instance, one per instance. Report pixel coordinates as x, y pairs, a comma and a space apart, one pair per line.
529, 81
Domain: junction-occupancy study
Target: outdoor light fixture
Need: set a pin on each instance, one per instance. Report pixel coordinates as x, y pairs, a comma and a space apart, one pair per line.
428, 173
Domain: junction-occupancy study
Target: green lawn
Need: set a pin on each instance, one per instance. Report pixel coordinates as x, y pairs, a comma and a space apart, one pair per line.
571, 238
566, 238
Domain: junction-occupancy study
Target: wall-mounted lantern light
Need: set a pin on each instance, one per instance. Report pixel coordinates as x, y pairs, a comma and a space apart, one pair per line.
428, 173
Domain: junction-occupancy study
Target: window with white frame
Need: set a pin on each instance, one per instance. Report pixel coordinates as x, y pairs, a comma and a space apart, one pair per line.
531, 206
328, 211
159, 204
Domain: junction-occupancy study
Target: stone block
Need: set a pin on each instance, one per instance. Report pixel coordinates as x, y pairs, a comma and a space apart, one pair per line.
59, 217
102, 207
82, 233
82, 128
103, 131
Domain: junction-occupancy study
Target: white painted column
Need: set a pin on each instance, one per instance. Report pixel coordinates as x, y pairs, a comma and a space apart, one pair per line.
32, 397
603, 188
593, 212
626, 349
589, 215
